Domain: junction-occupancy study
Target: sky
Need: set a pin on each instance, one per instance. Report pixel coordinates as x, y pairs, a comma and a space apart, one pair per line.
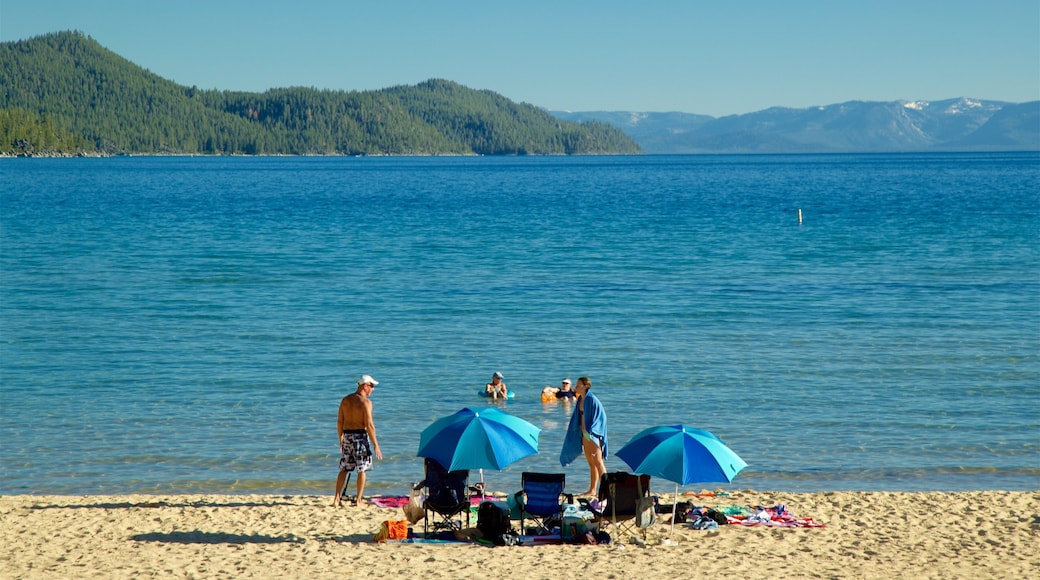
710, 57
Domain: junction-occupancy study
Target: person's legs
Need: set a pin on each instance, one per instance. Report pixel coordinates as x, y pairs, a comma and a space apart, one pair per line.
597, 468
601, 470
360, 487
347, 462
357, 455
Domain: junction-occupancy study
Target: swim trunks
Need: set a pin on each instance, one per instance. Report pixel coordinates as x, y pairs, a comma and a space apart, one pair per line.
355, 452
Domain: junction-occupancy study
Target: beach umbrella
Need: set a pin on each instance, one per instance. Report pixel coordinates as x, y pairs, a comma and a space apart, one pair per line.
681, 454
486, 439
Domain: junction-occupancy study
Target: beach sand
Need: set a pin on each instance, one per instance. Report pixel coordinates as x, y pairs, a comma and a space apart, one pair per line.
989, 534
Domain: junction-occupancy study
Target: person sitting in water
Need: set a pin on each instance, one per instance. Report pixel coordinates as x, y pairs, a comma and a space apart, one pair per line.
496, 389
564, 392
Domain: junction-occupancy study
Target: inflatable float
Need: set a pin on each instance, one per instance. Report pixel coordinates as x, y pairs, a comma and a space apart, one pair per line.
551, 396
509, 394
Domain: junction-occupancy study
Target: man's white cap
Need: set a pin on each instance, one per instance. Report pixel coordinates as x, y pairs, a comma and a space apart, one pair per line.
367, 379
566, 381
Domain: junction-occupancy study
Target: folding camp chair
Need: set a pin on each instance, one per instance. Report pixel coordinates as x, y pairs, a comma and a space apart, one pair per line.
539, 499
446, 498
622, 493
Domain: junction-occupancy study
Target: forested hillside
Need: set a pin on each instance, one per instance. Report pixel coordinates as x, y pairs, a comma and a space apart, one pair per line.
64, 93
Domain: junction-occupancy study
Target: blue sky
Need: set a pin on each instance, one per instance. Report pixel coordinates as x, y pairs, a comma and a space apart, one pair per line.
715, 57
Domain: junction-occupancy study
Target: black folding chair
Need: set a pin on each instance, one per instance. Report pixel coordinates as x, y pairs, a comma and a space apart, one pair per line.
622, 493
446, 498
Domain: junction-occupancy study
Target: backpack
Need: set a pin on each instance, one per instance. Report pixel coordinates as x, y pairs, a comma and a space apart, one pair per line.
492, 520
681, 510
717, 516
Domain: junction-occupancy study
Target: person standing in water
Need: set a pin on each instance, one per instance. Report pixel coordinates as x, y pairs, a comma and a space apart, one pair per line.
587, 433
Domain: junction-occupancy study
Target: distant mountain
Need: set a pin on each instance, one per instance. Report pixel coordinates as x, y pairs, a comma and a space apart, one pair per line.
857, 126
63, 93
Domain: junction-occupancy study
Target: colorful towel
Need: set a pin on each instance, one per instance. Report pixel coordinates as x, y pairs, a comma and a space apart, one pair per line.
774, 517
390, 501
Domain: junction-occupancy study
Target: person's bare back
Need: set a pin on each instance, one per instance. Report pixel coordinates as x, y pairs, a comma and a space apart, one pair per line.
355, 412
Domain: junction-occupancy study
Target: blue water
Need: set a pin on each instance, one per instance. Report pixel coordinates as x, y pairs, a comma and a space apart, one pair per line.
190, 324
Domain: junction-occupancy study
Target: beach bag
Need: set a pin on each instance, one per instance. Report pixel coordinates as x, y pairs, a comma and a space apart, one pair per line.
646, 509
492, 520
392, 530
646, 512
413, 510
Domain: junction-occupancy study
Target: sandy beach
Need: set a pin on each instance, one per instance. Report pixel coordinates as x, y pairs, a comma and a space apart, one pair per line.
986, 534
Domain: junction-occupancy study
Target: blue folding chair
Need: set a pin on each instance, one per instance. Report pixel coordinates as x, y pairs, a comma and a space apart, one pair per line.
542, 500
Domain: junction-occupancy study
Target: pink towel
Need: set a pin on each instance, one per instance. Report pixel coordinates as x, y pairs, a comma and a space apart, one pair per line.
391, 501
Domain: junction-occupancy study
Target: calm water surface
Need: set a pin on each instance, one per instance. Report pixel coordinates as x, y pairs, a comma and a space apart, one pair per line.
190, 324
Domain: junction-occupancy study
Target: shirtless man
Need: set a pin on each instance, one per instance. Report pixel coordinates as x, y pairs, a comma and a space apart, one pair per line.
356, 431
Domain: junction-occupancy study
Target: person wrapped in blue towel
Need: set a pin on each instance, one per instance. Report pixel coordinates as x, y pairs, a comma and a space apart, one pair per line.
587, 433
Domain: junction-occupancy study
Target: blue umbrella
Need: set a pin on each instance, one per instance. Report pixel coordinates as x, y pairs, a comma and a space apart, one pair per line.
681, 454
484, 439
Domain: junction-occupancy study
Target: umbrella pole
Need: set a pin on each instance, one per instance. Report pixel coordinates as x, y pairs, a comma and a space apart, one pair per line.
482, 485
675, 502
